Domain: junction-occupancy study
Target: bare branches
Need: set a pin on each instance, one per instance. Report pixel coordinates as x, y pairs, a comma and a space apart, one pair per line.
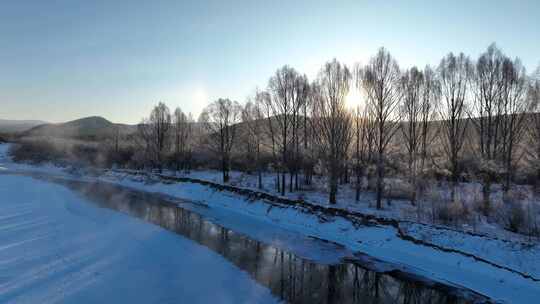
454, 73
288, 93
154, 134
332, 120
533, 97
381, 82
431, 96
253, 118
294, 126
515, 107
412, 85
183, 131
487, 86
499, 86
219, 119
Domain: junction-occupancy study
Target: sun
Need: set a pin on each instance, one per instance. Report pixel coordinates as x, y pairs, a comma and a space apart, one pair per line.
200, 96
353, 99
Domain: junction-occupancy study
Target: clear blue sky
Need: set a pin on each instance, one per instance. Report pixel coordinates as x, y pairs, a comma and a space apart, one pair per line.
62, 60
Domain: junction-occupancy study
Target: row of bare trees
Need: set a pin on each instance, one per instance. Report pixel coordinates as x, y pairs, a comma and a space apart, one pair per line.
499, 102
432, 117
161, 131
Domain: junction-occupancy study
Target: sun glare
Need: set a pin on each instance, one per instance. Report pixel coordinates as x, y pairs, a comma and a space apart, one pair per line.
200, 96
353, 99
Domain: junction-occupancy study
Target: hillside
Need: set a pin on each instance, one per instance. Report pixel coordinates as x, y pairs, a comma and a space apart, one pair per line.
14, 126
85, 128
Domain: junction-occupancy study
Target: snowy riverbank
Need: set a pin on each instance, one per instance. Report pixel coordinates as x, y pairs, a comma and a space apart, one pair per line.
504, 284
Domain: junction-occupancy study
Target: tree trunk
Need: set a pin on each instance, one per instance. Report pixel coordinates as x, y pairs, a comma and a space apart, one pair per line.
454, 179
486, 191
380, 175
291, 182
332, 280
508, 178
283, 183
358, 182
333, 188
224, 170
413, 193
160, 165
412, 178
177, 158
453, 185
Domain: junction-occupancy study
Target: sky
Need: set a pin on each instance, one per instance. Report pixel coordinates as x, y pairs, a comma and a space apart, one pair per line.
63, 60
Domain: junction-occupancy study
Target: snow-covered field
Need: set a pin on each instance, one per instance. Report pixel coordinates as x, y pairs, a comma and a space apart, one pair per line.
380, 241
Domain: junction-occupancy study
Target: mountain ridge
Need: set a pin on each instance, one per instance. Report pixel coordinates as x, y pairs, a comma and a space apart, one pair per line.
18, 125
91, 127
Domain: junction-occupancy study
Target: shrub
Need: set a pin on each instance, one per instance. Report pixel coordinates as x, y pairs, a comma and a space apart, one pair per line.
121, 158
453, 212
516, 218
59, 151
397, 189
35, 151
443, 214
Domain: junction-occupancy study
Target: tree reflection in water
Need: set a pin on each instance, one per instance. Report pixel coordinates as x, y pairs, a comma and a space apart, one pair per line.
289, 277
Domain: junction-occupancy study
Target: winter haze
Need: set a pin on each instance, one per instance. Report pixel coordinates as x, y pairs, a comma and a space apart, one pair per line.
269, 152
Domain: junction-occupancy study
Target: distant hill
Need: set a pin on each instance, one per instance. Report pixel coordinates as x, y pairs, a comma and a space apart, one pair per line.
94, 127
14, 126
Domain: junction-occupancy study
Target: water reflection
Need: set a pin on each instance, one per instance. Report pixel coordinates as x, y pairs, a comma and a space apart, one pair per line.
288, 276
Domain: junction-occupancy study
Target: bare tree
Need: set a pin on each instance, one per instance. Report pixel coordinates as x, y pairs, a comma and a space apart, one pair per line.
533, 96
332, 120
431, 95
302, 96
499, 106
381, 83
182, 134
308, 141
487, 117
284, 105
111, 147
116, 139
487, 86
454, 73
246, 138
265, 100
154, 133
515, 105
358, 142
412, 84
364, 136
219, 119
253, 118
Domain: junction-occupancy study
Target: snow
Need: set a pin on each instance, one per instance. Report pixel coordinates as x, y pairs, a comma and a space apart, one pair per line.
63, 249
520, 256
380, 242
468, 193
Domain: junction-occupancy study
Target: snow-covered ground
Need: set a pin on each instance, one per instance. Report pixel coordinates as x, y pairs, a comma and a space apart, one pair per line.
469, 194
57, 248
379, 241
